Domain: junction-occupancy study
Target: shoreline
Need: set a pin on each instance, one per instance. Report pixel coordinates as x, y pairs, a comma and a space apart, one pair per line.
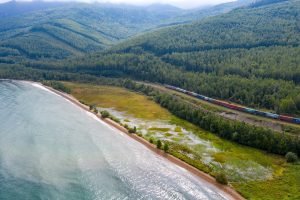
227, 190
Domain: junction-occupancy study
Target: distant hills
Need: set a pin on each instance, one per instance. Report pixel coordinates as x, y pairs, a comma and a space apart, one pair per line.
213, 10
15, 9
264, 2
56, 30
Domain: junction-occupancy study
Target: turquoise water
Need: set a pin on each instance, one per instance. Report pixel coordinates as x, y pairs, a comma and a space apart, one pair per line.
52, 149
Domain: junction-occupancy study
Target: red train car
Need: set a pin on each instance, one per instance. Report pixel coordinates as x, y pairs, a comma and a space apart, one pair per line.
235, 107
286, 118
228, 105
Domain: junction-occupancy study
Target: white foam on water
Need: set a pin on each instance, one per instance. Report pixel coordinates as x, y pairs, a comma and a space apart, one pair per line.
103, 123
69, 101
37, 85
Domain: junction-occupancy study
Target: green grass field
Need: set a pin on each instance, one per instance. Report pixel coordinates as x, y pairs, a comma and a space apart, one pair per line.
253, 173
119, 99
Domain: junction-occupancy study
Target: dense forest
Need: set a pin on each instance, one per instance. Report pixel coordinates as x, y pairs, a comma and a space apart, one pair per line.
280, 95
264, 26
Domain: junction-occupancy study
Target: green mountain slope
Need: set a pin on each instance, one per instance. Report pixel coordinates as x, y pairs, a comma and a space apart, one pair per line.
56, 30
277, 24
73, 28
249, 56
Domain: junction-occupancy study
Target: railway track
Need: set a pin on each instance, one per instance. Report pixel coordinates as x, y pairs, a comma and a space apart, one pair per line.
251, 111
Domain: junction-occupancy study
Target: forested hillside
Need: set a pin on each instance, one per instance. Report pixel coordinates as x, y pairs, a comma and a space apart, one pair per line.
40, 30
248, 56
274, 24
56, 30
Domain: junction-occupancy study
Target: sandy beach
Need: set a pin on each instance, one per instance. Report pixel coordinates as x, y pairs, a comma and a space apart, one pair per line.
228, 191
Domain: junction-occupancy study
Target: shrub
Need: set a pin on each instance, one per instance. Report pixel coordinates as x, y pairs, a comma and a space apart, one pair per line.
221, 178
105, 114
132, 130
151, 140
291, 157
115, 119
158, 144
166, 147
57, 86
126, 126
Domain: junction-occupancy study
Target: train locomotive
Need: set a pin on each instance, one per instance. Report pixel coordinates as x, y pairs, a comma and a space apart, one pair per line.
236, 107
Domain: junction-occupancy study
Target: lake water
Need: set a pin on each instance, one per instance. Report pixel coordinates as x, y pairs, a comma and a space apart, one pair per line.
52, 149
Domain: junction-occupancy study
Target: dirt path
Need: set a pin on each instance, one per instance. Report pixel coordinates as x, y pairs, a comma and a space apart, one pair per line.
229, 191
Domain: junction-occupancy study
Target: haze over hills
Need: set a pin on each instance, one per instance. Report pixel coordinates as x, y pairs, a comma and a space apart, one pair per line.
15, 9
213, 10
18, 8
183, 4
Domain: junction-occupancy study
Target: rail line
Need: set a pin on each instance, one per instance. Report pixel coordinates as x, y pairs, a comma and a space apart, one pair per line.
252, 111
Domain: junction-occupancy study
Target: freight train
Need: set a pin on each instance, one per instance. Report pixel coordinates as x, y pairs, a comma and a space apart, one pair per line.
236, 107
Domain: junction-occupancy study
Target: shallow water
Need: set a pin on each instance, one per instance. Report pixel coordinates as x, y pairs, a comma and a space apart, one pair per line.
51, 149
